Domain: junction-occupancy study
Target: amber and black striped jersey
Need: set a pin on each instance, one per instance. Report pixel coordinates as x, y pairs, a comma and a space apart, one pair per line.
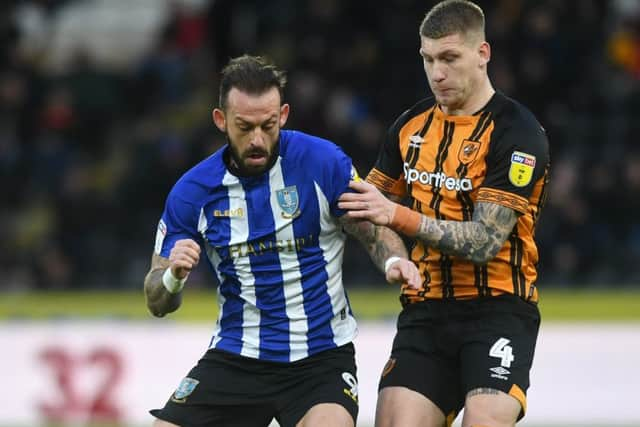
444, 164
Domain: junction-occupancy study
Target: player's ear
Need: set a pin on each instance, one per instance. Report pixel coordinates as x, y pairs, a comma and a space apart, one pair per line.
219, 119
484, 50
284, 114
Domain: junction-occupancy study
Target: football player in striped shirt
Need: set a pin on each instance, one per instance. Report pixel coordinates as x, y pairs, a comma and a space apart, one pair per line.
472, 165
262, 211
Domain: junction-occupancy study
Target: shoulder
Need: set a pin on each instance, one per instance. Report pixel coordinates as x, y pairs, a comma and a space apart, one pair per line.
511, 114
196, 183
300, 146
418, 109
516, 125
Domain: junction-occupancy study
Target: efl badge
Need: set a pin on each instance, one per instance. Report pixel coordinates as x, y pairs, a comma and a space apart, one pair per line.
288, 201
354, 175
468, 151
186, 387
521, 170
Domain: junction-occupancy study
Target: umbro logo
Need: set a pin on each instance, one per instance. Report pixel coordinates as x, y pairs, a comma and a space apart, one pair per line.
415, 141
500, 370
500, 373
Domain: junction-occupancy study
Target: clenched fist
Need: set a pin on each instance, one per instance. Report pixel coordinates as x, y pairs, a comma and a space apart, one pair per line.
184, 257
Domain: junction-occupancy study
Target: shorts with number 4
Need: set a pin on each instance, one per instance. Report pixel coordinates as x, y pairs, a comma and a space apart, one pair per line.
227, 390
445, 348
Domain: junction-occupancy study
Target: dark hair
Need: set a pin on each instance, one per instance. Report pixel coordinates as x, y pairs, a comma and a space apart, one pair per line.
251, 74
452, 17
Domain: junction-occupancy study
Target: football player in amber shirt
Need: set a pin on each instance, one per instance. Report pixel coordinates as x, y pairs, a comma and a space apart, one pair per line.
464, 173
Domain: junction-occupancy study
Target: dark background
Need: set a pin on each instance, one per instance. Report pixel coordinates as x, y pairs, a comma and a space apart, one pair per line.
104, 104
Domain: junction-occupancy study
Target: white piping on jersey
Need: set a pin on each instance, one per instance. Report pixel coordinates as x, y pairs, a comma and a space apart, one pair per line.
331, 241
239, 232
291, 273
215, 260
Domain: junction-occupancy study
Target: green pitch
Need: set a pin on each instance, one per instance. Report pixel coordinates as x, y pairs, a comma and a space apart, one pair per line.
602, 305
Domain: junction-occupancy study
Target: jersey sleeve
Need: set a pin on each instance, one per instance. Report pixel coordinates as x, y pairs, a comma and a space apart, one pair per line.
387, 174
178, 221
341, 172
516, 160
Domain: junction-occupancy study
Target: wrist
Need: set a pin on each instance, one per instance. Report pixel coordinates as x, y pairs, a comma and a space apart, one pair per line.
171, 283
390, 261
406, 221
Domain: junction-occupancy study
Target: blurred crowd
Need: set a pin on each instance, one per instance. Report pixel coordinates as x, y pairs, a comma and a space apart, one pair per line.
96, 125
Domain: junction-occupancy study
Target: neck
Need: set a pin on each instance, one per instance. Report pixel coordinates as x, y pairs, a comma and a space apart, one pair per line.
480, 96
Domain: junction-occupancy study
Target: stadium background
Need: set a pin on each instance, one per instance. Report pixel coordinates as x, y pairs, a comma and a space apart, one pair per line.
104, 103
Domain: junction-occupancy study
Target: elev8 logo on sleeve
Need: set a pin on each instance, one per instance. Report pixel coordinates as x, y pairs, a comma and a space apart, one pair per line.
436, 179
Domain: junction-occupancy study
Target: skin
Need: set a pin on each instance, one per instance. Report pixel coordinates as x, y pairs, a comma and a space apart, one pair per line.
252, 123
456, 69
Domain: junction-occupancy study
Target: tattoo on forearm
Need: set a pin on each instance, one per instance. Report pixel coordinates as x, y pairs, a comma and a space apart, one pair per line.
380, 242
159, 300
478, 240
481, 390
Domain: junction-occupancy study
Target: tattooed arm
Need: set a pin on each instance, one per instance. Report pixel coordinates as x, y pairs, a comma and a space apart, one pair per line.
159, 300
383, 243
478, 240
166, 297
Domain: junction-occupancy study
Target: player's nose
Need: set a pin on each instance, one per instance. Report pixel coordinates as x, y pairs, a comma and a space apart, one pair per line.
258, 138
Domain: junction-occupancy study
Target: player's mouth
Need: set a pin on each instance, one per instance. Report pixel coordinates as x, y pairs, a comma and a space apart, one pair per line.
256, 158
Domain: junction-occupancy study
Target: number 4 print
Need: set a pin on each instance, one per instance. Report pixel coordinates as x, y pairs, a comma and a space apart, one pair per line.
502, 351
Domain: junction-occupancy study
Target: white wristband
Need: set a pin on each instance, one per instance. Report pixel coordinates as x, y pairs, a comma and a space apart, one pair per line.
171, 283
389, 261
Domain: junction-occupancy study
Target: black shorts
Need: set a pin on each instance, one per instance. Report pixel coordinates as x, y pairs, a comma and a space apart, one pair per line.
445, 348
225, 389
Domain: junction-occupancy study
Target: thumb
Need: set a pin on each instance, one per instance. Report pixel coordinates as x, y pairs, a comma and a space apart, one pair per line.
180, 272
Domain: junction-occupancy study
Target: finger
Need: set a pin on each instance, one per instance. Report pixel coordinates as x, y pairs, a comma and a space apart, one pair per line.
188, 251
350, 197
354, 214
416, 281
184, 256
359, 186
182, 264
188, 243
351, 206
410, 275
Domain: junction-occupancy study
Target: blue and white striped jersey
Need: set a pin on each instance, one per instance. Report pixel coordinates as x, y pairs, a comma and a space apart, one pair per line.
276, 245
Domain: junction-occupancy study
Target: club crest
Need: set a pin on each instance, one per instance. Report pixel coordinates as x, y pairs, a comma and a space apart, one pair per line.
289, 201
186, 387
468, 151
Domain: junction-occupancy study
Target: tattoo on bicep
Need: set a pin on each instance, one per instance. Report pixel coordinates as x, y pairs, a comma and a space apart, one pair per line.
478, 240
482, 390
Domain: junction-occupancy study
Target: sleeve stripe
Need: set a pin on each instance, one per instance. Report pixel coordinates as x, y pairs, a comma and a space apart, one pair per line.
504, 198
382, 181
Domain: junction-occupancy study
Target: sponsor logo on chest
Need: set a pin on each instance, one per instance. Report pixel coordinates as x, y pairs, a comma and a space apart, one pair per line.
436, 179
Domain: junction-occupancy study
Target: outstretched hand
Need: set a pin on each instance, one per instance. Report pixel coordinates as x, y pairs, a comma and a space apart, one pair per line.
367, 203
404, 271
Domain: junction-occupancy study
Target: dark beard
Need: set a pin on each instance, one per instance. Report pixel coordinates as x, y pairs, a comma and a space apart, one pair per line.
234, 162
